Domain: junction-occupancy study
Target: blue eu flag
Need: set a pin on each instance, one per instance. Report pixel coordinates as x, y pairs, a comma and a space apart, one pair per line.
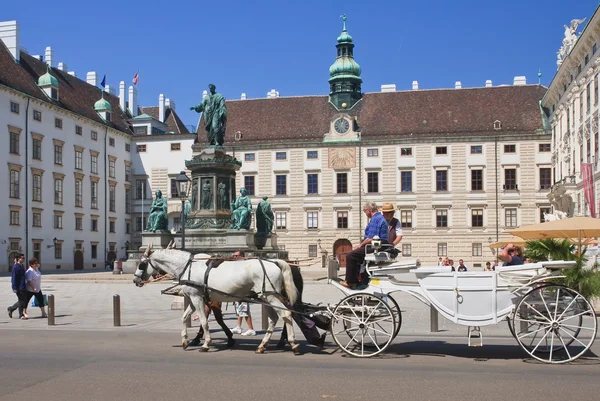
103, 83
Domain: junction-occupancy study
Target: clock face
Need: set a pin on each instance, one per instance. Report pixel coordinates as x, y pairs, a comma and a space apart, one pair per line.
341, 125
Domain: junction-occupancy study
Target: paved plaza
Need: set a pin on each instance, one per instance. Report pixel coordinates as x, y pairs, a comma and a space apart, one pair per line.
84, 301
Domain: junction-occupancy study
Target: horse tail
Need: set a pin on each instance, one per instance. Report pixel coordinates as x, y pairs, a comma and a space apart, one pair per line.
288, 281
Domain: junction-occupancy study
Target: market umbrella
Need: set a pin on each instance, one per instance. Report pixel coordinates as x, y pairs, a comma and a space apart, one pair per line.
574, 227
512, 240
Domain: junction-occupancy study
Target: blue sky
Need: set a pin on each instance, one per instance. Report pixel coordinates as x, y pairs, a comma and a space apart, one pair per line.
180, 47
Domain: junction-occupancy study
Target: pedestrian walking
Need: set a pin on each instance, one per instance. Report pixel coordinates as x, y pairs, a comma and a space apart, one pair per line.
33, 279
19, 287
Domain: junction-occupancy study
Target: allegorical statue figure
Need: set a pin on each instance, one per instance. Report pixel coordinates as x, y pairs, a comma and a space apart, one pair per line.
157, 220
264, 217
215, 116
241, 217
207, 196
222, 201
194, 204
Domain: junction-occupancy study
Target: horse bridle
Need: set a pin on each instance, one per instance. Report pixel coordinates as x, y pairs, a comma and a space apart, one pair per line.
146, 260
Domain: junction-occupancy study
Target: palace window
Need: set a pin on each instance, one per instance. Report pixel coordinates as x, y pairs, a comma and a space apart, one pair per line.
281, 184
280, 220
176, 146
112, 198
280, 155
94, 204
58, 251
111, 141
373, 182
14, 107
510, 148
78, 130
476, 180
249, 157
406, 218
405, 151
94, 135
441, 180
78, 223
406, 181
58, 191
312, 154
312, 251
37, 149
141, 148
442, 249
58, 223
111, 168
37, 115
373, 152
249, 184
342, 183
441, 218
312, 181
14, 217
406, 249
543, 211
510, 216
544, 147
78, 192
58, 154
342, 219
14, 143
545, 178
37, 188
477, 217
14, 184
510, 179
58, 123
476, 149
312, 219
441, 150
477, 249
78, 160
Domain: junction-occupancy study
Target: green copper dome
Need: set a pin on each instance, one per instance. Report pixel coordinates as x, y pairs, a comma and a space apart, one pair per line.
344, 66
344, 37
102, 105
47, 79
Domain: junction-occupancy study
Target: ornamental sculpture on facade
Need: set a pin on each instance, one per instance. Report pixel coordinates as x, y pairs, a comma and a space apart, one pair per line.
569, 40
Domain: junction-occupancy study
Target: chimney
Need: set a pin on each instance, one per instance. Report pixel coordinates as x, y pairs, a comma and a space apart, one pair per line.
133, 101
161, 108
243, 96
49, 56
272, 94
122, 99
92, 78
110, 90
457, 85
9, 34
520, 80
62, 66
415, 85
488, 83
204, 94
72, 73
170, 104
388, 88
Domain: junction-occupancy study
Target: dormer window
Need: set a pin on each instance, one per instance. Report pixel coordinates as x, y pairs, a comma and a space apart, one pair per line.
497, 125
49, 84
103, 108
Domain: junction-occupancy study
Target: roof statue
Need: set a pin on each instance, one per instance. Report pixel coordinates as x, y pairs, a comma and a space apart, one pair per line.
568, 41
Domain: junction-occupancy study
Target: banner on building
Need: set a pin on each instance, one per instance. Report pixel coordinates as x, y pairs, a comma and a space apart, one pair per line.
587, 173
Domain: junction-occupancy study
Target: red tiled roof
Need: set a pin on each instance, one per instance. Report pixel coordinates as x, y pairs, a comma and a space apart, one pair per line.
75, 95
174, 123
389, 115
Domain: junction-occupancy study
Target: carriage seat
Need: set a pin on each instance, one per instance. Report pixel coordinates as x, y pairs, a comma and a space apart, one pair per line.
432, 269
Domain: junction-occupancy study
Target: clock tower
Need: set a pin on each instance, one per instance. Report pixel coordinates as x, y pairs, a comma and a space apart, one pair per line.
345, 81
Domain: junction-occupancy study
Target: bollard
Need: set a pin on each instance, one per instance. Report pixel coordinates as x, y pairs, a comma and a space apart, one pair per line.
116, 310
264, 317
51, 311
522, 314
188, 321
332, 269
433, 319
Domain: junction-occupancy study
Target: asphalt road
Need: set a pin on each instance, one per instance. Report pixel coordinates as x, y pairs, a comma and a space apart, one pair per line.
87, 365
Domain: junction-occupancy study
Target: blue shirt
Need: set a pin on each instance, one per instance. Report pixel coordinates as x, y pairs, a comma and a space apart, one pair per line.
377, 226
18, 278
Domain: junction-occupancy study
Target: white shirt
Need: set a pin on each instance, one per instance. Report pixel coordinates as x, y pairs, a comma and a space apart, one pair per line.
33, 279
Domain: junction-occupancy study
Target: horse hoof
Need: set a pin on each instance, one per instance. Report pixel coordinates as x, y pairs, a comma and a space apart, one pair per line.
296, 349
230, 342
203, 349
185, 344
260, 350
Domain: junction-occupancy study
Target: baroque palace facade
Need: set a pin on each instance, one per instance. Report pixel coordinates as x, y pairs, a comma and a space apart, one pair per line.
461, 165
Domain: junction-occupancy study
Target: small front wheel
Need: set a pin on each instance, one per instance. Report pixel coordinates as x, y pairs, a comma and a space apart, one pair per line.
363, 325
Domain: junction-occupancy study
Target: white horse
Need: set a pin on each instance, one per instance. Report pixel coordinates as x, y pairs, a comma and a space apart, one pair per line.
231, 281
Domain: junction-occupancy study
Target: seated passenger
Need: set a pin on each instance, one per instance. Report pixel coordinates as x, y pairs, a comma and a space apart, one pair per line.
377, 227
511, 255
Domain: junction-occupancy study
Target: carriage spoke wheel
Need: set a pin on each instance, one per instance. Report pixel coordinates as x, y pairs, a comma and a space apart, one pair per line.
391, 302
554, 324
363, 325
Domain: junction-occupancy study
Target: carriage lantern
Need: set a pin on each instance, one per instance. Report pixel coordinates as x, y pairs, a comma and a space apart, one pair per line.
183, 185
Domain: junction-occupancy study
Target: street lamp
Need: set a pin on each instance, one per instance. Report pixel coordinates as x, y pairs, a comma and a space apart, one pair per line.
183, 186
54, 241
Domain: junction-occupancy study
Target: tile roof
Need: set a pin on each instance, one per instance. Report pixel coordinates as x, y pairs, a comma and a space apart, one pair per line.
75, 95
174, 123
431, 113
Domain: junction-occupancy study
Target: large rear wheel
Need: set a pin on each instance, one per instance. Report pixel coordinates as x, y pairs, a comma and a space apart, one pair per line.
554, 324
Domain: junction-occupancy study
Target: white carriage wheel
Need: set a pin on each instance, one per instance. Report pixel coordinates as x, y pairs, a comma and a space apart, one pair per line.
391, 302
363, 325
554, 324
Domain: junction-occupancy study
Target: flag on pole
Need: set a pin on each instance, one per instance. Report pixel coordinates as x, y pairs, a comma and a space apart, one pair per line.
103, 83
587, 172
136, 77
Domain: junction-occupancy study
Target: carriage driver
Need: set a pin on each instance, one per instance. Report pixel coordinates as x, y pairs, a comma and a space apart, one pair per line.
377, 226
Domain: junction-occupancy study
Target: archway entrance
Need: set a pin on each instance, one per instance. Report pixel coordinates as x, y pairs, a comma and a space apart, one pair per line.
340, 248
11, 260
78, 260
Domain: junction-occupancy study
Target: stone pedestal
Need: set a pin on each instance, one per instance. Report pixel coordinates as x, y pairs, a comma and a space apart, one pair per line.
157, 239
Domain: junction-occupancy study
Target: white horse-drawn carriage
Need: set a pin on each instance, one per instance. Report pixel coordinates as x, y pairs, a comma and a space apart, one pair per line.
551, 322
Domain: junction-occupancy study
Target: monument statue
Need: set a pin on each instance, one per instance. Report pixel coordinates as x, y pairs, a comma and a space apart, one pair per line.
264, 217
194, 203
157, 220
215, 116
222, 201
241, 215
206, 199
